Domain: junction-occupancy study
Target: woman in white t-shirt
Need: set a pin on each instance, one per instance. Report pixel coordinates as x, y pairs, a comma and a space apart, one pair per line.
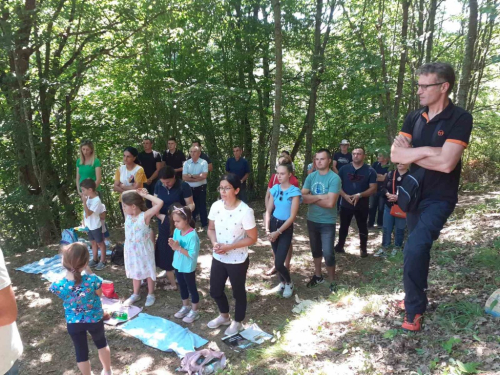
231, 230
11, 346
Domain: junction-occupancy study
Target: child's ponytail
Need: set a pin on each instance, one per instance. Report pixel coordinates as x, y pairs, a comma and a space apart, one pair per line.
75, 258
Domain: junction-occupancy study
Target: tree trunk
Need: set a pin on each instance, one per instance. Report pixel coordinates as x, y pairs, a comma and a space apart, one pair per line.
468, 59
402, 63
278, 40
430, 30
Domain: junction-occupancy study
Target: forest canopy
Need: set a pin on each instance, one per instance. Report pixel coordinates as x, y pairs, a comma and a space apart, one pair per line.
295, 75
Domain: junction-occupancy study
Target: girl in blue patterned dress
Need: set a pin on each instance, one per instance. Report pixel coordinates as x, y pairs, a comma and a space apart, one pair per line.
82, 306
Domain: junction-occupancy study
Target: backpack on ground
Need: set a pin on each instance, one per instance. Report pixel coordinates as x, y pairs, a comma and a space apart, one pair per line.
117, 256
68, 236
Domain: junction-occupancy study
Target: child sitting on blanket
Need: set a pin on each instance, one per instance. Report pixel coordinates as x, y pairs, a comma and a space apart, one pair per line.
186, 245
82, 306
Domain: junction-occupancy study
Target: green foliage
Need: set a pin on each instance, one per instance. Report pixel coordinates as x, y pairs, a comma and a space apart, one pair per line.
448, 345
458, 316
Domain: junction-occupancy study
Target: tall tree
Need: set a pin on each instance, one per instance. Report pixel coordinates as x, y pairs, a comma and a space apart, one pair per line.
468, 60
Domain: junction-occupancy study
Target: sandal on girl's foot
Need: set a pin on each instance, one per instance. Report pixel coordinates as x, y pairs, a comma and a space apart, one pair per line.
169, 287
272, 271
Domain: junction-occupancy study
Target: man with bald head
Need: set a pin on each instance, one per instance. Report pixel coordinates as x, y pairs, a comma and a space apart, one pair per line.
195, 173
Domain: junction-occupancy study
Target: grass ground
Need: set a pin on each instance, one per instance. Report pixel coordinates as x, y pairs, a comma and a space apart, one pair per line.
355, 331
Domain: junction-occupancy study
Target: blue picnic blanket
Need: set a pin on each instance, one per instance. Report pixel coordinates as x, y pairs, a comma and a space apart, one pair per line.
50, 268
163, 334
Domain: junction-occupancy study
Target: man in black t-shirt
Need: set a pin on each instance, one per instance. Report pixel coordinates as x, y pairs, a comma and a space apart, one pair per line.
341, 158
173, 157
151, 163
433, 138
377, 201
359, 182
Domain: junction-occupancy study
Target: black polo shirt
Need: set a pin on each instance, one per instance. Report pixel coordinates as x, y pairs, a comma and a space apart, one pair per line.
175, 160
148, 161
380, 169
178, 193
342, 159
356, 181
440, 185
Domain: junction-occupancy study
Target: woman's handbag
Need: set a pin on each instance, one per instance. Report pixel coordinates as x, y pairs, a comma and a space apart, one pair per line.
396, 211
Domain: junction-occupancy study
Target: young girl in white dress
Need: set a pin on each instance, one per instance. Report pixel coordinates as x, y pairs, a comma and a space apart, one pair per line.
139, 250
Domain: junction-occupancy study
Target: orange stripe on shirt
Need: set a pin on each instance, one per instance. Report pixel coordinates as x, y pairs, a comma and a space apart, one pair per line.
461, 143
406, 135
426, 116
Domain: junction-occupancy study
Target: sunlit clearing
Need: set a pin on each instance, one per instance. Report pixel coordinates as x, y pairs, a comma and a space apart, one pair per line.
205, 261
141, 365
46, 357
40, 302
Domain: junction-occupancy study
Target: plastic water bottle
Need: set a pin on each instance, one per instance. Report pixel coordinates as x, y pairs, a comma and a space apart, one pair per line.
119, 315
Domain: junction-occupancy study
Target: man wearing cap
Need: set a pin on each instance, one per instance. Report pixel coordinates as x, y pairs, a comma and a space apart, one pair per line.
343, 157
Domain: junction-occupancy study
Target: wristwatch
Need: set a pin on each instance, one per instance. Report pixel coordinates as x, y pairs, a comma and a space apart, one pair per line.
359, 195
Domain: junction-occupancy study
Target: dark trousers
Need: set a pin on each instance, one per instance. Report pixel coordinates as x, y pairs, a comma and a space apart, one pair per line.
237, 274
361, 215
78, 333
200, 204
377, 203
424, 227
242, 195
151, 190
280, 249
187, 285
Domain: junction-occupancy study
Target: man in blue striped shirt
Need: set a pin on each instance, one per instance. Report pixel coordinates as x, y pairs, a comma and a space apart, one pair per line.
195, 173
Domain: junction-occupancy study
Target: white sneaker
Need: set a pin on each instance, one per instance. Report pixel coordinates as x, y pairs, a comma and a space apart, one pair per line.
380, 253
287, 293
182, 312
279, 288
191, 317
150, 300
131, 300
219, 321
395, 251
235, 327
107, 373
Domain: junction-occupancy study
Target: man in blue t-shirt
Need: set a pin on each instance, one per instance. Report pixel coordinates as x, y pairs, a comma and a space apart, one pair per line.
239, 166
321, 191
377, 201
359, 182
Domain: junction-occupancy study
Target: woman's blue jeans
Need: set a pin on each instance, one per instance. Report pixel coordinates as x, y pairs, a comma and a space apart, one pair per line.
389, 223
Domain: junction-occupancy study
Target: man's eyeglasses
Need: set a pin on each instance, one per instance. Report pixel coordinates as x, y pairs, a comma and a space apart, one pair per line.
224, 189
425, 87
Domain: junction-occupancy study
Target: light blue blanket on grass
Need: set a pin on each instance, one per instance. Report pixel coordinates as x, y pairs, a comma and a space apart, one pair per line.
50, 268
163, 334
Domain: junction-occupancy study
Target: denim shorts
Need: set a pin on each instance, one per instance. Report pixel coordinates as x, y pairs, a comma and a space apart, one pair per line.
322, 239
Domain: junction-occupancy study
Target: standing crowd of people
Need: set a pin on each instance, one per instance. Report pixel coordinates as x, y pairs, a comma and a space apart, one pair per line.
172, 190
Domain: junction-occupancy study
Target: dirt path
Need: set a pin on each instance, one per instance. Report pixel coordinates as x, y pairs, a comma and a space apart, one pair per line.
352, 332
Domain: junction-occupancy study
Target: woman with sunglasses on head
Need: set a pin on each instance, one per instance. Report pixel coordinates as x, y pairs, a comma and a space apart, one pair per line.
231, 229
268, 200
281, 212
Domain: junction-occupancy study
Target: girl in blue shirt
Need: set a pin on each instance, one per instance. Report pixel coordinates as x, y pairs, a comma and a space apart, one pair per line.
186, 246
82, 306
280, 215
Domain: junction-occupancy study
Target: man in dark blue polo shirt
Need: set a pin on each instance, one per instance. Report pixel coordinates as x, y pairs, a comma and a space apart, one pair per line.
359, 182
239, 166
377, 200
433, 138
